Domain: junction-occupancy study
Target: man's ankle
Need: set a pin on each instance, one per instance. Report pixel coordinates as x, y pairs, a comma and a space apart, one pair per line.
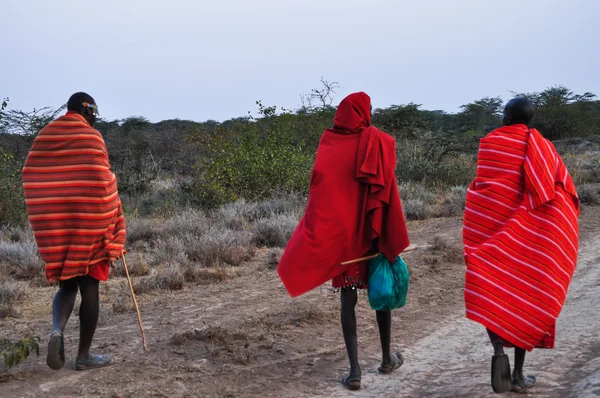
498, 349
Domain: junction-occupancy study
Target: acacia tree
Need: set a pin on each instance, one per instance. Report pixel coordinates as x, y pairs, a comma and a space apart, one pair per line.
480, 116
25, 123
323, 95
561, 113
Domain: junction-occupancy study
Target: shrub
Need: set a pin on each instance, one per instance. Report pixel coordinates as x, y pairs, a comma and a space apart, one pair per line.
204, 276
23, 259
137, 264
280, 204
413, 190
170, 278
439, 243
416, 209
12, 204
220, 245
589, 194
15, 352
16, 234
171, 251
453, 203
275, 231
254, 162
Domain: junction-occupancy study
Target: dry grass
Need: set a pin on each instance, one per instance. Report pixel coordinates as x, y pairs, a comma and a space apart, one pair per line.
137, 264
447, 252
119, 295
219, 342
439, 243
205, 276
295, 314
11, 293
170, 278
273, 258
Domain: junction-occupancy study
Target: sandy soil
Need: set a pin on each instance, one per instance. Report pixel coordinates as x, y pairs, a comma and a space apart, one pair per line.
245, 337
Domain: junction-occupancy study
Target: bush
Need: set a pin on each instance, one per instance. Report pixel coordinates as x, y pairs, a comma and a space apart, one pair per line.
204, 276
280, 204
416, 209
12, 204
589, 194
16, 234
437, 158
171, 251
439, 243
275, 231
254, 162
137, 264
453, 203
15, 352
220, 245
23, 259
169, 278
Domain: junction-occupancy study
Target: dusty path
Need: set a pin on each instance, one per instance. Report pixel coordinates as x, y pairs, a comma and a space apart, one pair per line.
264, 344
454, 359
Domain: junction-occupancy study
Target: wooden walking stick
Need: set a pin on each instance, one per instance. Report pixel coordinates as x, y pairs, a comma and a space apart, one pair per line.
135, 303
358, 260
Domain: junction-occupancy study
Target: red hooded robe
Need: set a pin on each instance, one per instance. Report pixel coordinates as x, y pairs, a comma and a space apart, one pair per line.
353, 208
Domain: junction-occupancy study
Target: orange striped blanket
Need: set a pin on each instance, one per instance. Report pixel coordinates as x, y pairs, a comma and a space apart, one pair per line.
520, 237
72, 200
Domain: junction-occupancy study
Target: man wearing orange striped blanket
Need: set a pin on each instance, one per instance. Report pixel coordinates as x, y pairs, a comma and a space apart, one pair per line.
77, 220
521, 239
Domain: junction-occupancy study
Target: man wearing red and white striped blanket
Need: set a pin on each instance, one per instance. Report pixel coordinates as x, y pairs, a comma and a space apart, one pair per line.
520, 239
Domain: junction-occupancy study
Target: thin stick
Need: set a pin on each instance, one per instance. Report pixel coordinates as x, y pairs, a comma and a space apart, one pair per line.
358, 260
135, 303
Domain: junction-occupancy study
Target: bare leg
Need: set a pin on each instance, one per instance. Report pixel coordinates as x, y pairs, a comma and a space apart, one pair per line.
88, 314
63, 304
500, 375
519, 362
348, 316
384, 321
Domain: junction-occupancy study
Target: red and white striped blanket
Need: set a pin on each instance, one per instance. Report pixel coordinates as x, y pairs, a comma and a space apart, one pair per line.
520, 237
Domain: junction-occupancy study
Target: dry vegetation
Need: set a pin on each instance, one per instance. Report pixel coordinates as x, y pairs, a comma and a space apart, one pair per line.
206, 247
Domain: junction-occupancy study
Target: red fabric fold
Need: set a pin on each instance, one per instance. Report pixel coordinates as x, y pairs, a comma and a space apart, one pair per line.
353, 207
521, 237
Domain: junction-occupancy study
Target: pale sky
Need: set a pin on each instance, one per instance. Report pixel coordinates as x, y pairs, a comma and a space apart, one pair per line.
200, 59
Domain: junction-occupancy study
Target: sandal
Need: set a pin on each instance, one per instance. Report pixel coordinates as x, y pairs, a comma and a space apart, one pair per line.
55, 358
397, 361
522, 386
95, 362
351, 382
501, 379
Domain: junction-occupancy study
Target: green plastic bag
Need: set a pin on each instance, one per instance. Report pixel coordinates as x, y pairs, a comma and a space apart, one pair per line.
388, 283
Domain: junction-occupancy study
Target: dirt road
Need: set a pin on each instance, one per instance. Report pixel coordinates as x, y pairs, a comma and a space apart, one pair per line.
245, 337
454, 360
